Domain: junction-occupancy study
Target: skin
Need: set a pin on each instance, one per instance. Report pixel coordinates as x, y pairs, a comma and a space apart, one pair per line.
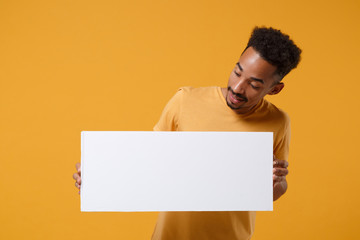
279, 177
77, 176
250, 81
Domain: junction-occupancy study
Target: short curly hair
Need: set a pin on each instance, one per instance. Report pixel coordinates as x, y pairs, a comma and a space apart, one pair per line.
276, 48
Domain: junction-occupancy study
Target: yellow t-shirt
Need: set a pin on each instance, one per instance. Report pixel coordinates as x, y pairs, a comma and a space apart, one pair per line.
205, 109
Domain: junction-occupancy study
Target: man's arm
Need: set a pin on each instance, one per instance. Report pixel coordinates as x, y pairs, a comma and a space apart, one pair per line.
279, 177
170, 116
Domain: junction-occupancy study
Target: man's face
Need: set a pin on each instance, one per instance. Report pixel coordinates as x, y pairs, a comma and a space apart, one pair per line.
252, 78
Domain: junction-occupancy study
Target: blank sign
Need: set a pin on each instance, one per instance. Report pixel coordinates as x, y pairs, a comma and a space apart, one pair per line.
136, 171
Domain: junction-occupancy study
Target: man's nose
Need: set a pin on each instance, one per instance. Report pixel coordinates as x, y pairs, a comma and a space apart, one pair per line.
239, 86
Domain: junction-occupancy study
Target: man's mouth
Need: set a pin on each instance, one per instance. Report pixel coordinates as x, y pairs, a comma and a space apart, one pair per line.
236, 97
235, 100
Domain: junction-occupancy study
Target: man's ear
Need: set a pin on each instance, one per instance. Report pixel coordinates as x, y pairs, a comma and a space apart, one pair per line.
276, 89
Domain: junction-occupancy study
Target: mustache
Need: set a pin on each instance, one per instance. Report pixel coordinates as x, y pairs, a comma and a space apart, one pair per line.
238, 95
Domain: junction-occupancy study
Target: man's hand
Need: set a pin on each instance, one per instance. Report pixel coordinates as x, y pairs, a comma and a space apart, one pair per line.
279, 177
77, 176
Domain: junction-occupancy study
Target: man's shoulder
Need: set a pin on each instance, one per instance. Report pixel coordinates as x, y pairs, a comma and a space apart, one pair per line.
276, 113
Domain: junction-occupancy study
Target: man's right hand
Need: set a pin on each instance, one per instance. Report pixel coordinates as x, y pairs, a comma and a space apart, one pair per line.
77, 176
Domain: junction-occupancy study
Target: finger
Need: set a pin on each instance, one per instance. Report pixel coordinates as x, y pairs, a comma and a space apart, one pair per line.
77, 185
280, 163
278, 178
77, 178
280, 171
78, 168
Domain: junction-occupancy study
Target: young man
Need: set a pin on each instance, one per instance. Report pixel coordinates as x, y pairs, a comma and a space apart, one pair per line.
268, 57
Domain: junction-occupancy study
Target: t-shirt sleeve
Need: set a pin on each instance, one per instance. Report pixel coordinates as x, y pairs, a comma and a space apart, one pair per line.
281, 150
169, 119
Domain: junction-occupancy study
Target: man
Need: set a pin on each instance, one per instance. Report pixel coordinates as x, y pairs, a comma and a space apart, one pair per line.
268, 57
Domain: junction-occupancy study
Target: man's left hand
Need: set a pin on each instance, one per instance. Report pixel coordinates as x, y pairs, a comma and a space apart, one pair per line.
279, 177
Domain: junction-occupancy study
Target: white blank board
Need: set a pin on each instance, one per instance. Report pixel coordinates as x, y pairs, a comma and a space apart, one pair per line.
176, 171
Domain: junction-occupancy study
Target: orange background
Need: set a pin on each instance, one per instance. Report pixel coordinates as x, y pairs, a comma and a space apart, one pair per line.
68, 66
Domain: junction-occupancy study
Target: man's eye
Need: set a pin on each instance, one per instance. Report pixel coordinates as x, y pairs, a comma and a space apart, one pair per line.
237, 74
254, 87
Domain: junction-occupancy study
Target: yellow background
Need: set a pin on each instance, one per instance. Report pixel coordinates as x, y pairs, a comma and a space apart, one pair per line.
68, 66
